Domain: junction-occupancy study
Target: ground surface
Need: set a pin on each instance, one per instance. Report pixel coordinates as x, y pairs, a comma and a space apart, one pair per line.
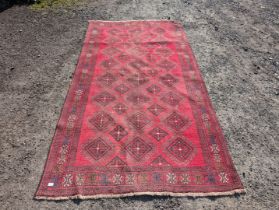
236, 45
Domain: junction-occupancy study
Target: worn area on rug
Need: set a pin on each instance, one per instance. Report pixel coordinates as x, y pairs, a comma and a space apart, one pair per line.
137, 120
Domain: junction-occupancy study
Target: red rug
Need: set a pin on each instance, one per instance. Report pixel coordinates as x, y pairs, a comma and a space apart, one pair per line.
137, 120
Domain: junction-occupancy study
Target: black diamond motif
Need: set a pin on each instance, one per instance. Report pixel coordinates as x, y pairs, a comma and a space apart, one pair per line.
138, 148
110, 63
118, 133
138, 64
138, 98
138, 121
156, 109
124, 72
97, 149
101, 121
116, 162
120, 108
158, 133
171, 99
168, 80
107, 79
122, 89
152, 72
176, 121
154, 89
138, 79
104, 98
180, 149
166, 64
159, 161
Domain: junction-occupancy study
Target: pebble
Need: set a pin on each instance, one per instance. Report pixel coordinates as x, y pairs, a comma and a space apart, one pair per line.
276, 63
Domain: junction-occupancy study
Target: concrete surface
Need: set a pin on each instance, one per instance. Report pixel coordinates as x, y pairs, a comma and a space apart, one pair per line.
236, 43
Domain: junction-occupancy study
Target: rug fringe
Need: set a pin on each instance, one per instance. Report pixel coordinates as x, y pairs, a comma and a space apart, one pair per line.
190, 194
133, 20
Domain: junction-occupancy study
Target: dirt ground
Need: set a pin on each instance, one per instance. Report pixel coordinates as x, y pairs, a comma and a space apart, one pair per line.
236, 44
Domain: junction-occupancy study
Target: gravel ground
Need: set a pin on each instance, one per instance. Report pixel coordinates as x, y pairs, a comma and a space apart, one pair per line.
236, 44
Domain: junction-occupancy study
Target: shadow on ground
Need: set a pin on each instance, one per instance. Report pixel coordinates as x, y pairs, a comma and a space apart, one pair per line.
6, 4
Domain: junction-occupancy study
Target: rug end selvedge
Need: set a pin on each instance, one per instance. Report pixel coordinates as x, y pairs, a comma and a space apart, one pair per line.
190, 194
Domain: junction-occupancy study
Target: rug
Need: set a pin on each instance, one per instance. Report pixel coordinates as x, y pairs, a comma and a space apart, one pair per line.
137, 120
